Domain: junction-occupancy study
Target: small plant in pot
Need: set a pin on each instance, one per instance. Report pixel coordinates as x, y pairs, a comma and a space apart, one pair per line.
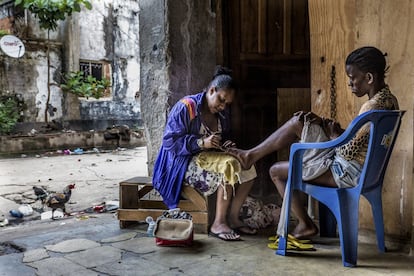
76, 83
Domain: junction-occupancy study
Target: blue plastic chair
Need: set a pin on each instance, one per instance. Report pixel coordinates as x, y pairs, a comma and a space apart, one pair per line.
344, 202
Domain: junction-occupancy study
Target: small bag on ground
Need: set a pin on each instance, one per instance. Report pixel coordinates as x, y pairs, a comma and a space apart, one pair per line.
174, 228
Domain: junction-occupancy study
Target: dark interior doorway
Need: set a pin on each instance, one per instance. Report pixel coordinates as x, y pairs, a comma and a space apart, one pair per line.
266, 44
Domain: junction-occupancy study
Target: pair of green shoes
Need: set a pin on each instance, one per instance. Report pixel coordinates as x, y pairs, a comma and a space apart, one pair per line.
292, 243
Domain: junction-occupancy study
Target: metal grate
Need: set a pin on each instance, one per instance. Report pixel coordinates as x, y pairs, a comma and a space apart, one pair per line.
93, 69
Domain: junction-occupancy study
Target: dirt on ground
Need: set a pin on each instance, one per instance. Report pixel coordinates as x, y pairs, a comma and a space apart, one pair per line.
95, 173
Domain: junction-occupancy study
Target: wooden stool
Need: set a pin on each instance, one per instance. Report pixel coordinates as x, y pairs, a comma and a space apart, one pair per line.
133, 206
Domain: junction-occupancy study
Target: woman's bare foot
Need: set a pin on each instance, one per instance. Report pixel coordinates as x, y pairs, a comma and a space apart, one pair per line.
220, 228
241, 228
241, 155
305, 230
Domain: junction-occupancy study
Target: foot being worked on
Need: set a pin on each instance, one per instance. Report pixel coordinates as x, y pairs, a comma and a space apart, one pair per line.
242, 156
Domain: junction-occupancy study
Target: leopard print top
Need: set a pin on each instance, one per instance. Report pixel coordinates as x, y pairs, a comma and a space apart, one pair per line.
357, 147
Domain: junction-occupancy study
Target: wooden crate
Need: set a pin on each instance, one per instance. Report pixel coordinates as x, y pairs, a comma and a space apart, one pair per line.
135, 203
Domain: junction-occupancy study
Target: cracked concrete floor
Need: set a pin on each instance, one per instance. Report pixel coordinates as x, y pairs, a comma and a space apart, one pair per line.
96, 175
95, 245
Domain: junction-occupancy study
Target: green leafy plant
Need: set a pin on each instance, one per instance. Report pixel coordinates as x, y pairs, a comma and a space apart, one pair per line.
10, 109
89, 86
49, 12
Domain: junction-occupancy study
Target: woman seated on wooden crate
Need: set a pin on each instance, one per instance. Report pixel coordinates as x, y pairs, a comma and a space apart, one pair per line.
197, 131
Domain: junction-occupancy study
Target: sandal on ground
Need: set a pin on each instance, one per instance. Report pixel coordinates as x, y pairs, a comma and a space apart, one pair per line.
293, 244
226, 236
290, 237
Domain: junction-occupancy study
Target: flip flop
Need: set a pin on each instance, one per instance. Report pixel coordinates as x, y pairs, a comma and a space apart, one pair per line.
293, 246
239, 230
290, 237
222, 236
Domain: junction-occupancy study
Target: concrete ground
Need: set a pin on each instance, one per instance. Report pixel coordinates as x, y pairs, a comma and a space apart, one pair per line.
96, 175
94, 244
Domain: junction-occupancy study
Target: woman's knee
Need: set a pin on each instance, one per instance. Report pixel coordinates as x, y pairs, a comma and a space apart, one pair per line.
296, 121
278, 171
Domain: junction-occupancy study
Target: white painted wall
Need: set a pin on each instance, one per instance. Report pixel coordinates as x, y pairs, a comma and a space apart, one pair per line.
94, 39
109, 32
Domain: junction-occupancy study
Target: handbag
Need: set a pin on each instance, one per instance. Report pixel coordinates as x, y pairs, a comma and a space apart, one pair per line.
174, 228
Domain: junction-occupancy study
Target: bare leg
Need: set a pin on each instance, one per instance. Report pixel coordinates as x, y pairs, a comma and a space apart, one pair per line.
220, 223
281, 138
242, 191
305, 227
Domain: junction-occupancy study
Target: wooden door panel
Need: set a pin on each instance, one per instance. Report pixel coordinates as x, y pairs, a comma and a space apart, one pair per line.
267, 49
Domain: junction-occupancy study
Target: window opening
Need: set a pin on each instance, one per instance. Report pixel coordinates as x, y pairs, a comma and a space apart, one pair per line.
98, 70
91, 69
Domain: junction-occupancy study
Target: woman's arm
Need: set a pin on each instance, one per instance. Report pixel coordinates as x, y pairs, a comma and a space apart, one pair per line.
178, 136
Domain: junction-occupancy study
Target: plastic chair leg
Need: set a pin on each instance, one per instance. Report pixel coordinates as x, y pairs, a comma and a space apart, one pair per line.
282, 247
374, 198
348, 232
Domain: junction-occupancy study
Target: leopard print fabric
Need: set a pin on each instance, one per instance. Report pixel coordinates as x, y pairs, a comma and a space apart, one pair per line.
357, 147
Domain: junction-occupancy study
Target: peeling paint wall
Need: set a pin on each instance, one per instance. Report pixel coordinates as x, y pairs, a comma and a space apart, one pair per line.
178, 56
109, 33
27, 78
192, 33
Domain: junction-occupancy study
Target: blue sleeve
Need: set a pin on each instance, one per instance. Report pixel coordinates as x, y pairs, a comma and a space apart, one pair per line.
178, 137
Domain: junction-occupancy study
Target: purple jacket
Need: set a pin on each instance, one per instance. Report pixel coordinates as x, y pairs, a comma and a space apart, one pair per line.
179, 144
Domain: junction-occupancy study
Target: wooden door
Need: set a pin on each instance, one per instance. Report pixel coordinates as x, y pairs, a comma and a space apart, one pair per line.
266, 44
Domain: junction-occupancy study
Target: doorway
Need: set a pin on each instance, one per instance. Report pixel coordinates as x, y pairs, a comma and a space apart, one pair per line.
266, 44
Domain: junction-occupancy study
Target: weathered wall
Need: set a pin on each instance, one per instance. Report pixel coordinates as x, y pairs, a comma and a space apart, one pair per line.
192, 36
27, 78
153, 72
177, 43
109, 33
337, 27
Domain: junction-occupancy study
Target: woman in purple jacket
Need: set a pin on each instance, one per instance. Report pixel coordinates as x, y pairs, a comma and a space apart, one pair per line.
199, 123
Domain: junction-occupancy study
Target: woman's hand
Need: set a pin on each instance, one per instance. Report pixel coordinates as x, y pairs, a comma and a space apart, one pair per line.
331, 128
313, 118
309, 117
228, 144
212, 142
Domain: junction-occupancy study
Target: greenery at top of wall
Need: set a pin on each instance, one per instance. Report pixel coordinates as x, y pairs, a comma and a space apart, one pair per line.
50, 12
10, 109
78, 84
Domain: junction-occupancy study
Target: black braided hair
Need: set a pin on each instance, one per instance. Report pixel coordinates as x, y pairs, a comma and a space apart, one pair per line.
369, 59
222, 79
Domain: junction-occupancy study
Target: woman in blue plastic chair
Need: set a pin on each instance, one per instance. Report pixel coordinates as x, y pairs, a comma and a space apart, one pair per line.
339, 167
197, 131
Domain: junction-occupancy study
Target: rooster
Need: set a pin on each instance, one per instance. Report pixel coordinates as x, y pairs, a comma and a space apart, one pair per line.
58, 200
